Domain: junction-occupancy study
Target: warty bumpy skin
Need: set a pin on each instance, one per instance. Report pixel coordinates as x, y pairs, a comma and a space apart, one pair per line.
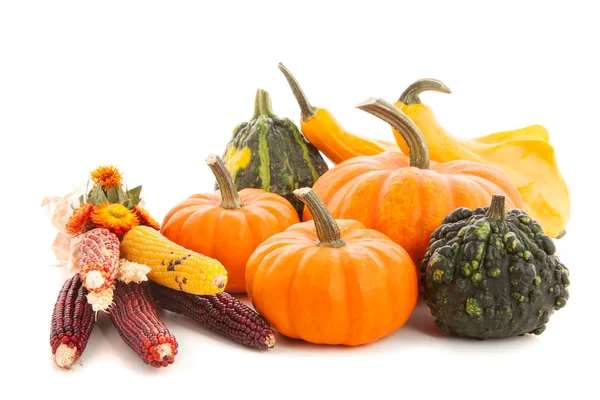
487, 278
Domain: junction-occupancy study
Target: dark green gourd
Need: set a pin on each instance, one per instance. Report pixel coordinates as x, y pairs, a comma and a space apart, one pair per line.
270, 153
489, 274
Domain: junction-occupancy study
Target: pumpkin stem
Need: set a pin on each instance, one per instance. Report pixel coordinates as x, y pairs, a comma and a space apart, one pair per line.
417, 149
411, 94
229, 195
262, 105
327, 228
496, 210
305, 108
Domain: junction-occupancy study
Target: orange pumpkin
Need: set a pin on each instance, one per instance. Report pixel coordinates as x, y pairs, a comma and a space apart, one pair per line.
227, 225
404, 197
332, 281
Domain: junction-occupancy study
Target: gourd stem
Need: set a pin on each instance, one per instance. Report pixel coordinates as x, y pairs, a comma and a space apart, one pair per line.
229, 195
417, 149
411, 94
262, 105
306, 109
256, 105
496, 210
327, 228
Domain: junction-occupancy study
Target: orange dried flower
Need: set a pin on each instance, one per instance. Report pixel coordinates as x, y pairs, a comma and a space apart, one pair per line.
107, 176
145, 218
80, 219
115, 217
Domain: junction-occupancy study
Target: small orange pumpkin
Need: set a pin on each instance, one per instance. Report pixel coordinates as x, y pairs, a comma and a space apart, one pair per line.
404, 197
332, 281
227, 225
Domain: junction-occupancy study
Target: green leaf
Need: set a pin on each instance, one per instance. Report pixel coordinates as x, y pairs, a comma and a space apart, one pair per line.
81, 200
97, 195
133, 195
112, 195
121, 195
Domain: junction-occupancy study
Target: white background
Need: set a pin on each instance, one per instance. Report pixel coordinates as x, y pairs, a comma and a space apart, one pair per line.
154, 87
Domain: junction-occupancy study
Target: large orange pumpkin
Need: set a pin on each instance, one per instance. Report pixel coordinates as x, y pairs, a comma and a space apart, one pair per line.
227, 225
332, 281
404, 197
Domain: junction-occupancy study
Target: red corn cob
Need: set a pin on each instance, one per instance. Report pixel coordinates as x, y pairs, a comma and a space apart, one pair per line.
135, 317
99, 259
220, 312
72, 323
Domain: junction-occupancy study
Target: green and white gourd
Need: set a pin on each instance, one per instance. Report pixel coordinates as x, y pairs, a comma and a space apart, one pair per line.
270, 153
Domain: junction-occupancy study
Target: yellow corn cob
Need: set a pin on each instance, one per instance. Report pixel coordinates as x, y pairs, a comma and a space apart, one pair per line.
172, 265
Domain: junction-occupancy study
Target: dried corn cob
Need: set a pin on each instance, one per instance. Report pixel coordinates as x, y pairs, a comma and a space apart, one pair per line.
98, 259
72, 323
172, 265
136, 320
220, 312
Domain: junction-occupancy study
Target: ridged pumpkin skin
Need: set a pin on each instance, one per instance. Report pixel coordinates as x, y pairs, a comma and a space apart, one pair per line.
228, 226
352, 295
270, 153
408, 203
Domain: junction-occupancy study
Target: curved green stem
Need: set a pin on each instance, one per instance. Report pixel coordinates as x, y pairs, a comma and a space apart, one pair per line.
229, 195
496, 210
306, 109
262, 105
411, 94
327, 228
417, 149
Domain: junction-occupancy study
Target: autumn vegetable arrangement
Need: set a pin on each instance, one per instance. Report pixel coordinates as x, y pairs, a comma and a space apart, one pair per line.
331, 255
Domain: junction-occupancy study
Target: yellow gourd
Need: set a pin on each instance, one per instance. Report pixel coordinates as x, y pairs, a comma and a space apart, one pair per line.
324, 132
524, 155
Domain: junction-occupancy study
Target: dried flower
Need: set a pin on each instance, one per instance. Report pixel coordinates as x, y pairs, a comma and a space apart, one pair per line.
115, 217
80, 219
107, 176
145, 218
